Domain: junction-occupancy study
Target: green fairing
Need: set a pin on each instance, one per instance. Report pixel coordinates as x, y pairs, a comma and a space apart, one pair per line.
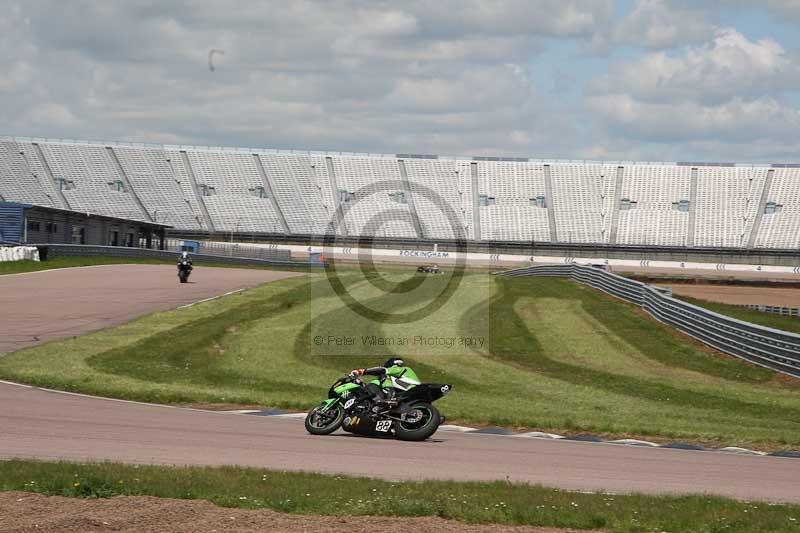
327, 403
341, 389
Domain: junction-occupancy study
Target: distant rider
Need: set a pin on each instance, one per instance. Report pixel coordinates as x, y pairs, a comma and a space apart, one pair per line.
187, 258
393, 375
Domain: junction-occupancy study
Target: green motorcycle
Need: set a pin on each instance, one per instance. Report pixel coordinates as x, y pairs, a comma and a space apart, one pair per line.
377, 409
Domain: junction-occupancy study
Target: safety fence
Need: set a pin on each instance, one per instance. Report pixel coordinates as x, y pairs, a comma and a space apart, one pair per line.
774, 310
235, 250
280, 258
761, 345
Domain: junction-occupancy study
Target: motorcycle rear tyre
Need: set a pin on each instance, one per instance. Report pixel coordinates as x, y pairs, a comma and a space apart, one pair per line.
424, 432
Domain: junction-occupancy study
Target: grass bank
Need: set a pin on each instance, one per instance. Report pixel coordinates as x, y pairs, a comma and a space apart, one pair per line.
18, 267
527, 353
496, 503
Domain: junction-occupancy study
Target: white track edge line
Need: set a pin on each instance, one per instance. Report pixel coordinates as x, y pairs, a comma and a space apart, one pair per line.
448, 428
210, 298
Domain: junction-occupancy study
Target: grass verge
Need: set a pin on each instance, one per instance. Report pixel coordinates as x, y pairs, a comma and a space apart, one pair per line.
317, 494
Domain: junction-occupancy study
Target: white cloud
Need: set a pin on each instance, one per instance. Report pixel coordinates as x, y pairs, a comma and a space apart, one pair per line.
730, 65
658, 24
16, 76
451, 77
386, 23
484, 89
52, 114
358, 75
729, 91
736, 119
555, 18
782, 11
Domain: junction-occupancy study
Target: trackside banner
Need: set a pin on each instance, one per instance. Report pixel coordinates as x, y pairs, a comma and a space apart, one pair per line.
18, 253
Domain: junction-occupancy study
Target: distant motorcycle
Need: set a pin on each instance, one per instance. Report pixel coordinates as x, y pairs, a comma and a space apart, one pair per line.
184, 269
429, 269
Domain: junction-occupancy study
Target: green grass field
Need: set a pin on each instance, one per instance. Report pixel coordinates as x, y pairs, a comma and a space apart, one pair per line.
557, 356
498, 502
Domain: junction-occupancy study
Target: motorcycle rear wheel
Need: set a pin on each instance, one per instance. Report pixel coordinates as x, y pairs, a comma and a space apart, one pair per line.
319, 423
421, 429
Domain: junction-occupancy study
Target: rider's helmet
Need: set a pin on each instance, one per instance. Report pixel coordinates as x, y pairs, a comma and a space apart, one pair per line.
184, 255
393, 361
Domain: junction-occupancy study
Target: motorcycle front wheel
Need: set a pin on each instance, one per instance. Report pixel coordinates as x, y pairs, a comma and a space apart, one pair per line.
319, 422
419, 423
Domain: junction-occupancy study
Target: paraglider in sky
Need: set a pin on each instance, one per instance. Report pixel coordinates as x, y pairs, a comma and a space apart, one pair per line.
211, 57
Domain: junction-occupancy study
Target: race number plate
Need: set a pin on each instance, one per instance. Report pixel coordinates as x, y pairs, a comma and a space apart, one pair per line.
383, 426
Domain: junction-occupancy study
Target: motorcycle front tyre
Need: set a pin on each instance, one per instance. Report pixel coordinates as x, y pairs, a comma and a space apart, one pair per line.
329, 427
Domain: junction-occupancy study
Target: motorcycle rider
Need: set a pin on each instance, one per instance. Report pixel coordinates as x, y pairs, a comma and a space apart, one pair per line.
393, 375
185, 267
185, 257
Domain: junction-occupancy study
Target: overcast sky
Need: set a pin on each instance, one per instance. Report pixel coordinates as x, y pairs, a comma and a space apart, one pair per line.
645, 80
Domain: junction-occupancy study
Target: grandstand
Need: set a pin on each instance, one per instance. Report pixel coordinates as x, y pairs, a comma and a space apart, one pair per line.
408, 196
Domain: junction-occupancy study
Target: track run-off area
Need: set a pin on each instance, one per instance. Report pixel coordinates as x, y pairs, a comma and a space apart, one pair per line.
49, 425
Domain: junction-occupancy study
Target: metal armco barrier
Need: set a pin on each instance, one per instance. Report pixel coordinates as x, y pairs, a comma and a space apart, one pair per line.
774, 310
235, 250
61, 250
771, 348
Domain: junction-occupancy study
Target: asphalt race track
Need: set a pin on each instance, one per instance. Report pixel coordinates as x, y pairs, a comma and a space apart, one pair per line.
37, 307
51, 425
36, 423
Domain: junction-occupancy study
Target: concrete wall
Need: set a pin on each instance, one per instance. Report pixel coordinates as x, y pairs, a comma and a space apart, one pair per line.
789, 258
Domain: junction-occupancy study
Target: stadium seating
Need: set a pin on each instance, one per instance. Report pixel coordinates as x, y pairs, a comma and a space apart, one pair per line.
411, 196
442, 202
90, 181
233, 192
780, 224
303, 190
511, 212
582, 196
727, 203
20, 182
654, 219
367, 186
168, 199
